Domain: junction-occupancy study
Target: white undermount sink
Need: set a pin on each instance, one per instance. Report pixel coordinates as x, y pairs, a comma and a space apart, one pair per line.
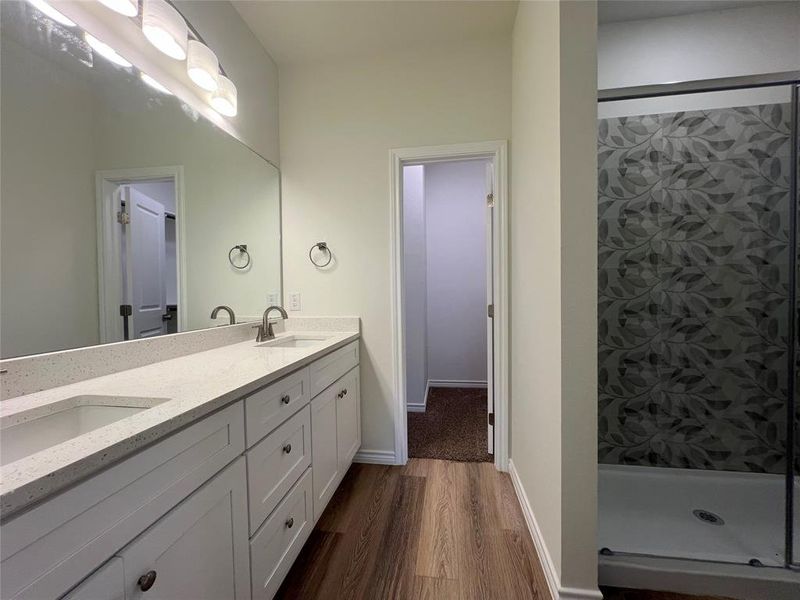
295, 341
26, 433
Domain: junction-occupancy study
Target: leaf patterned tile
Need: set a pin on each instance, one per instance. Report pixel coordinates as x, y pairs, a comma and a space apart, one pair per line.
693, 300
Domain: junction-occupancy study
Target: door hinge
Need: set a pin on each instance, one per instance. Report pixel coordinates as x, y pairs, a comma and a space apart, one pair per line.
490, 311
490, 200
491, 419
123, 218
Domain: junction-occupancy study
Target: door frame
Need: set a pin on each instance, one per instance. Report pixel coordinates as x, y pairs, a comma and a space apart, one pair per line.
108, 243
497, 152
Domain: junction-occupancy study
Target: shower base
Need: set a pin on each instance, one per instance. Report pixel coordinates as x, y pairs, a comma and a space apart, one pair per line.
693, 531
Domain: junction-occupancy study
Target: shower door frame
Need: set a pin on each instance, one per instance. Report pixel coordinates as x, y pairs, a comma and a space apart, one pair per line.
722, 84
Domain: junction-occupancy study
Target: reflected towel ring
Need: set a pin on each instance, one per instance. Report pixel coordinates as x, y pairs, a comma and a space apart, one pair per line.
323, 247
242, 248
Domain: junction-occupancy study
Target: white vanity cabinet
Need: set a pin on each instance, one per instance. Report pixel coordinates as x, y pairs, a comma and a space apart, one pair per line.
219, 509
199, 549
336, 435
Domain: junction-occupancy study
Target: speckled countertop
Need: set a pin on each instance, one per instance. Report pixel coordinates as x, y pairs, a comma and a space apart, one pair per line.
195, 385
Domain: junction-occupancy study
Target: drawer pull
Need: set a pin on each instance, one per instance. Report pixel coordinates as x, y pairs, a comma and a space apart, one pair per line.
286, 399
287, 448
345, 392
147, 580
290, 522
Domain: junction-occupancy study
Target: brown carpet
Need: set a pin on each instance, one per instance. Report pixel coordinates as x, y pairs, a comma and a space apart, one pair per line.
453, 427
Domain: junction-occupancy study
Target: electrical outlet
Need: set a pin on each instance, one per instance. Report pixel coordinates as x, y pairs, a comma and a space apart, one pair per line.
272, 299
294, 301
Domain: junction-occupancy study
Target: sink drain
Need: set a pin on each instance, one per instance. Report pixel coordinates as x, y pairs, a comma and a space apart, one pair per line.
706, 516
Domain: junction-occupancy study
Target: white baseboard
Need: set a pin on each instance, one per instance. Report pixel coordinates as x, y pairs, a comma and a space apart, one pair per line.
454, 383
548, 566
375, 457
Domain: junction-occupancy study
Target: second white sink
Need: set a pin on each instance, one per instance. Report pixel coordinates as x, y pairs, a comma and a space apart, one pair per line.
26, 433
295, 341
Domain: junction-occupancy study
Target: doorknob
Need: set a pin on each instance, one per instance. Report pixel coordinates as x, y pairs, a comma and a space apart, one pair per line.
147, 580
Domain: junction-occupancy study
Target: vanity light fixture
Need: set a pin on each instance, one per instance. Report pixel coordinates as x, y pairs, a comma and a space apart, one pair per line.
129, 8
202, 66
106, 51
165, 28
154, 84
51, 12
224, 99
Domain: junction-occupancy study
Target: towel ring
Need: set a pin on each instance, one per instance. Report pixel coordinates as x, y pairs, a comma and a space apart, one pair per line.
242, 248
323, 247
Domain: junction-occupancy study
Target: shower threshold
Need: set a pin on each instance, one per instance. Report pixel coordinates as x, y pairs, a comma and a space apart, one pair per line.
693, 531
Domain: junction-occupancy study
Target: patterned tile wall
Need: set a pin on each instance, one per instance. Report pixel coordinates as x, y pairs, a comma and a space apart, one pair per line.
693, 233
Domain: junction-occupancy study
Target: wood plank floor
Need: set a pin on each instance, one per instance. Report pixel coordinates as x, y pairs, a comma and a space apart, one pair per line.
433, 530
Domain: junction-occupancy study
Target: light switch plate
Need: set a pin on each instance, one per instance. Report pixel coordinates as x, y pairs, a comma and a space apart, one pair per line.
294, 301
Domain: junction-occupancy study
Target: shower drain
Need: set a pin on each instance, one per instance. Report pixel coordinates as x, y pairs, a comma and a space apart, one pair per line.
708, 517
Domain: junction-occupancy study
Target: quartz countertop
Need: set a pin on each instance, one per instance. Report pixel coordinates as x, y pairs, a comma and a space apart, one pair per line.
194, 386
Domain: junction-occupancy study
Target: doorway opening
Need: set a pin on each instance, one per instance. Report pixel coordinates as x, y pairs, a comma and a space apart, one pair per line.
446, 295
139, 224
449, 256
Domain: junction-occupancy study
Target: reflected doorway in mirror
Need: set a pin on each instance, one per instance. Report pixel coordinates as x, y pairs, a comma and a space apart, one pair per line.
140, 242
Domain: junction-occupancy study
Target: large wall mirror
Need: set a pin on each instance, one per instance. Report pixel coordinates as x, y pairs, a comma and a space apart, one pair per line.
123, 213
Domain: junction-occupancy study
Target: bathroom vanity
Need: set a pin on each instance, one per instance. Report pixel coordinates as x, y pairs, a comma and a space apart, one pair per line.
207, 487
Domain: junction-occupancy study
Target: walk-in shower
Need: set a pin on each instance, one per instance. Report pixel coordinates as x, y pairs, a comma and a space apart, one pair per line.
697, 337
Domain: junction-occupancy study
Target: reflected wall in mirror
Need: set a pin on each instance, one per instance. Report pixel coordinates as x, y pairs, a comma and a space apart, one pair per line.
116, 197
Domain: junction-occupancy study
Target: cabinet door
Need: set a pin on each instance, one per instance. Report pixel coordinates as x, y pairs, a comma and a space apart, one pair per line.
348, 419
107, 583
324, 448
199, 550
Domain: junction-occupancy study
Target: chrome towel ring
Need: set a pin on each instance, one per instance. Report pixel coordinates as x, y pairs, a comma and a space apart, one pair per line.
323, 247
242, 248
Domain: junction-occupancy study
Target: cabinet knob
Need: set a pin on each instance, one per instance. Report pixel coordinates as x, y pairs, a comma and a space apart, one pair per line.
286, 399
287, 448
290, 522
345, 391
147, 580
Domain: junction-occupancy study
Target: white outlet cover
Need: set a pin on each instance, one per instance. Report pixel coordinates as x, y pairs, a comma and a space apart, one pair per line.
294, 301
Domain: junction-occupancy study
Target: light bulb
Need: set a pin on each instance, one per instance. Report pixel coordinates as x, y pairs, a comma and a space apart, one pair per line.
202, 65
106, 51
51, 12
154, 84
129, 8
224, 99
165, 28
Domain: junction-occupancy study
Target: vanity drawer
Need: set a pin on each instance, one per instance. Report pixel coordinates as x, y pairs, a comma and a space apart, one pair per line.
53, 546
329, 368
275, 463
270, 406
277, 544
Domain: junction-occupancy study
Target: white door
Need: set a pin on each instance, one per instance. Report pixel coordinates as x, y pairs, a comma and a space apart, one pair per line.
199, 550
145, 265
490, 305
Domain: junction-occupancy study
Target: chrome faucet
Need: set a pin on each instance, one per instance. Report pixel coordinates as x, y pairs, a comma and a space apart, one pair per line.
228, 309
265, 329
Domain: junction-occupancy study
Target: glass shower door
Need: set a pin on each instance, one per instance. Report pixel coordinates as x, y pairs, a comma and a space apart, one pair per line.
694, 257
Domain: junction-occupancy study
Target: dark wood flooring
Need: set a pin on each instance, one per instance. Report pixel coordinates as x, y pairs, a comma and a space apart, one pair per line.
430, 530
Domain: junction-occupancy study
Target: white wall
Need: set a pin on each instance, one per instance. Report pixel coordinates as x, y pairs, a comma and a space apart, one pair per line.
455, 215
415, 278
742, 41
553, 281
338, 122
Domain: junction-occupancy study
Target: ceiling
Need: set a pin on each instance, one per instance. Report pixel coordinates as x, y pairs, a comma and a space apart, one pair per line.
315, 30
310, 31
612, 11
